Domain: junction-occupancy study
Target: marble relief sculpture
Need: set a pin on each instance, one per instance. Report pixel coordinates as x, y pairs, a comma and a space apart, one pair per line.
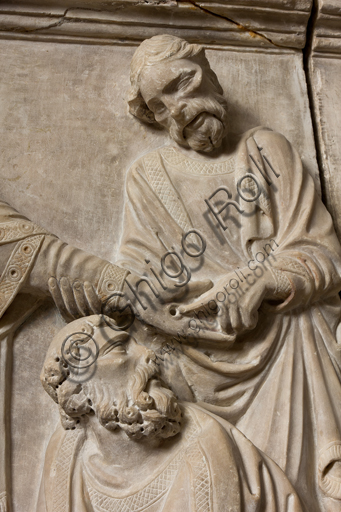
230, 268
128, 445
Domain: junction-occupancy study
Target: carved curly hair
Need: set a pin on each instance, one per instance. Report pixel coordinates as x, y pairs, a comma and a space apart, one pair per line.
68, 394
155, 413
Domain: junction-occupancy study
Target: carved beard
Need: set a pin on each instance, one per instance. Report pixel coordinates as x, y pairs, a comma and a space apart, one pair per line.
208, 124
151, 411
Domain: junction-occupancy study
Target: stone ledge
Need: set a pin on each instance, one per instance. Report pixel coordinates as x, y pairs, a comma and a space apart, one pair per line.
269, 24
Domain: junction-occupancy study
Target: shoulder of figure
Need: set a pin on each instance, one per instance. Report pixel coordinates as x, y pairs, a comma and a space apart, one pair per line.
272, 140
207, 420
138, 166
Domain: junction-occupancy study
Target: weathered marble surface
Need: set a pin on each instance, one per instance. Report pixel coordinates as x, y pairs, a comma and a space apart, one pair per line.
64, 114
65, 130
324, 79
267, 24
30, 424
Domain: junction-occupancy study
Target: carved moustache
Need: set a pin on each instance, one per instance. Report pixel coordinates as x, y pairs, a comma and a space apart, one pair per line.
143, 373
205, 133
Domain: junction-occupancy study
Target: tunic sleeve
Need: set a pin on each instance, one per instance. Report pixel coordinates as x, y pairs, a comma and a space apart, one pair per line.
20, 242
307, 263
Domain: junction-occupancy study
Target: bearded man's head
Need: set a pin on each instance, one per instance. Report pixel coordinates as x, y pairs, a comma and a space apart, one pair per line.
93, 368
173, 85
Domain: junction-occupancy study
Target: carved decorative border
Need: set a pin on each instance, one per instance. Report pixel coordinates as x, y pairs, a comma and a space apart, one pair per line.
260, 23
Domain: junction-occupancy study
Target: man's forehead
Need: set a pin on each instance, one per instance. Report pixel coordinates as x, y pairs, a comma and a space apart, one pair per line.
155, 78
95, 326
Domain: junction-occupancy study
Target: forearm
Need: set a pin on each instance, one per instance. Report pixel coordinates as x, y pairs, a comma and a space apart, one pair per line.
79, 282
36, 262
302, 279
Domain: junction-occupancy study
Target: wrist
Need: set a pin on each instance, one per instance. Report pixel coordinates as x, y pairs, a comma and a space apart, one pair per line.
270, 285
37, 281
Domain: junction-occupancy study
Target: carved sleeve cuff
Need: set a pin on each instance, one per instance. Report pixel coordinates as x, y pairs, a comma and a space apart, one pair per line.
19, 229
111, 283
283, 284
329, 483
294, 284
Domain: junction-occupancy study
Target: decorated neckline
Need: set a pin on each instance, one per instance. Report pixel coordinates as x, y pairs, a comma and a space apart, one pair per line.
192, 166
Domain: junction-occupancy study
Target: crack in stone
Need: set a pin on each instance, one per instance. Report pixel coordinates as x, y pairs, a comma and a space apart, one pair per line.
307, 53
62, 19
157, 2
33, 30
253, 33
52, 25
58, 23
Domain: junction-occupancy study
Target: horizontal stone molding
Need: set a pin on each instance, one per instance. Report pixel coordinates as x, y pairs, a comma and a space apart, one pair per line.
261, 24
327, 30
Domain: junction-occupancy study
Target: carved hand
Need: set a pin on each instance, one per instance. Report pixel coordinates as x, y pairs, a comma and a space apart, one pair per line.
162, 312
78, 282
239, 311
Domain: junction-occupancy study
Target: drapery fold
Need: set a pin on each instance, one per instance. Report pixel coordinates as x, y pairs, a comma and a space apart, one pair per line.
210, 466
280, 383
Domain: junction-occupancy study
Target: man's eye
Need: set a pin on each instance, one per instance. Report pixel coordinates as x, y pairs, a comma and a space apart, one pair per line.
185, 82
115, 347
159, 107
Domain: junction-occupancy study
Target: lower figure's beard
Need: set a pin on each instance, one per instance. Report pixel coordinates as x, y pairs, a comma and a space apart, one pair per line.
153, 413
208, 124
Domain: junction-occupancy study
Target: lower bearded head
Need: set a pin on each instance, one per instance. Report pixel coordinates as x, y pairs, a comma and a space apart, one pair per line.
121, 388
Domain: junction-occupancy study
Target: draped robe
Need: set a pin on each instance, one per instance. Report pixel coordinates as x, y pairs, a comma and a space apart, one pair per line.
21, 243
280, 382
210, 467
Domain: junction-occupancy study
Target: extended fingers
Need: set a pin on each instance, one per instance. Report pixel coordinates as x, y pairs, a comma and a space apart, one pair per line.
216, 336
190, 291
58, 299
68, 297
249, 318
190, 308
224, 318
92, 298
76, 300
80, 299
236, 319
197, 288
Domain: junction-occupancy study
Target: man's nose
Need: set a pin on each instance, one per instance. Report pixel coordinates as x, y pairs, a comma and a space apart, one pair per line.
145, 354
174, 106
149, 356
